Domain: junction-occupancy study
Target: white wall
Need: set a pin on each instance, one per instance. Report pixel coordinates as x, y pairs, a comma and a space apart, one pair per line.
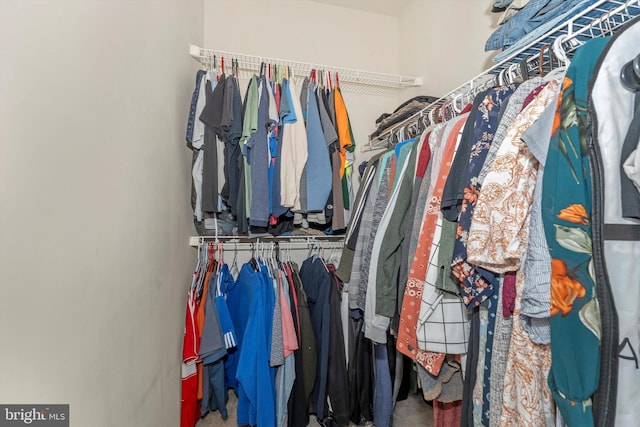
312, 32
443, 41
94, 205
94, 174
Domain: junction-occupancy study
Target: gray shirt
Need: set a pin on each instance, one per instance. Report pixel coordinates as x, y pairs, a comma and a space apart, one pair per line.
536, 296
376, 215
361, 242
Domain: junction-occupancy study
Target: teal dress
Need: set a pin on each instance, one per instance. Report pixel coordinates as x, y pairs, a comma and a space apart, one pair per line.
566, 212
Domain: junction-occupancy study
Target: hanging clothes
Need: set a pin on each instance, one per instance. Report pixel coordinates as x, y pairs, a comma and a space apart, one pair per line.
258, 147
318, 167
294, 147
574, 374
306, 362
285, 127
256, 379
317, 285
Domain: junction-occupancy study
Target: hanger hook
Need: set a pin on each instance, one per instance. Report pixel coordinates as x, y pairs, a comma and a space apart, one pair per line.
431, 114
558, 49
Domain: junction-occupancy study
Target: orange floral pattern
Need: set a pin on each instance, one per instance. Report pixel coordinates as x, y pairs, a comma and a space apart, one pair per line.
575, 213
499, 229
566, 83
471, 194
564, 289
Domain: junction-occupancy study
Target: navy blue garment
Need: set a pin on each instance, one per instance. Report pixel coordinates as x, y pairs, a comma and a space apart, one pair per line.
191, 121
491, 327
318, 168
256, 379
317, 285
239, 296
477, 284
470, 376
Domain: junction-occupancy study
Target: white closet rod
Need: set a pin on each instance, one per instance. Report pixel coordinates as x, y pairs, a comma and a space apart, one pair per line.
600, 19
350, 79
196, 241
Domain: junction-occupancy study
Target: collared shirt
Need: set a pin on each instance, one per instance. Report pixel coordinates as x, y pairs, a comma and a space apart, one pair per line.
536, 297
498, 237
511, 111
476, 284
499, 229
443, 321
407, 339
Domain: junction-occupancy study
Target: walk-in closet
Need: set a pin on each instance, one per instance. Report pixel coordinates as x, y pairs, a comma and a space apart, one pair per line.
290, 213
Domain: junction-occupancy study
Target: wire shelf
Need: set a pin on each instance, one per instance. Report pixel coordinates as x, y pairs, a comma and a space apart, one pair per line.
195, 241
351, 80
602, 18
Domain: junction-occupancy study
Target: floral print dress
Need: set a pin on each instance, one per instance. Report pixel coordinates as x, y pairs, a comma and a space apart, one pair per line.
566, 208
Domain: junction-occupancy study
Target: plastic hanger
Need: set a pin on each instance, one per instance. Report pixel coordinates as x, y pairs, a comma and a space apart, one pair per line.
234, 264
524, 67
431, 118
512, 74
252, 261
209, 257
277, 253
220, 257
454, 103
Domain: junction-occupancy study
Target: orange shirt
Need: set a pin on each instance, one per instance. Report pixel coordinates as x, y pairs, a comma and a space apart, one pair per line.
345, 137
407, 342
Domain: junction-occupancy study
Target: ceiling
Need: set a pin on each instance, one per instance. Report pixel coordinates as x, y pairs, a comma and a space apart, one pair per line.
384, 7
